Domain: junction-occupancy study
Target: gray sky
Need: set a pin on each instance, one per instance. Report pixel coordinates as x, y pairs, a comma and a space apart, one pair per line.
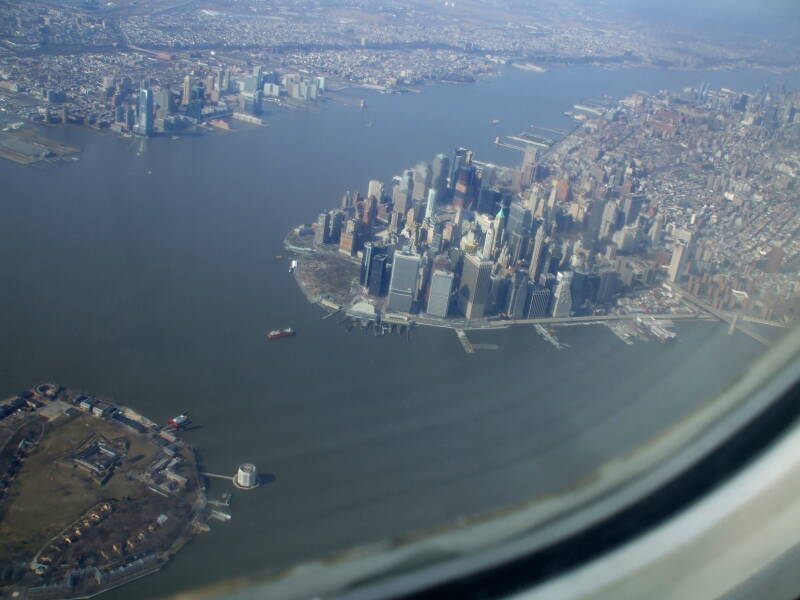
756, 16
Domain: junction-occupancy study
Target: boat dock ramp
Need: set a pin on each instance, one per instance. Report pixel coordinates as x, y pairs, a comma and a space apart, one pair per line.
643, 328
298, 249
620, 331
486, 346
224, 500
549, 337
462, 337
329, 304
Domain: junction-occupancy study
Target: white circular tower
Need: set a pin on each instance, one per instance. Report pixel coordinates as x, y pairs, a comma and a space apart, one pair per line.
246, 477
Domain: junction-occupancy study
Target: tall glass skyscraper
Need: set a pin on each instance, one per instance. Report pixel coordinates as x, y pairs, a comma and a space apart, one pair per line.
404, 282
458, 160
439, 176
473, 293
144, 113
440, 291
464, 186
562, 298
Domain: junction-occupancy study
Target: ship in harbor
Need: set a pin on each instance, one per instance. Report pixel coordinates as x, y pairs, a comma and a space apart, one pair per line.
280, 333
180, 422
292, 266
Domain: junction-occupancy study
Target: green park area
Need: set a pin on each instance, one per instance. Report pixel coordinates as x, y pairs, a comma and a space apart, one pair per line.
51, 491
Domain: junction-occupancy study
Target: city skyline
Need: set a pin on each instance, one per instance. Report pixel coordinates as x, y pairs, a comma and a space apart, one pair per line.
578, 226
356, 282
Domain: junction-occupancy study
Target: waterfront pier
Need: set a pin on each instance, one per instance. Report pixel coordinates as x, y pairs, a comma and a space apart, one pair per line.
217, 476
462, 337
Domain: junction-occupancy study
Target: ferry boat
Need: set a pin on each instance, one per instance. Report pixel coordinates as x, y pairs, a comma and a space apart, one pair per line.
280, 333
179, 422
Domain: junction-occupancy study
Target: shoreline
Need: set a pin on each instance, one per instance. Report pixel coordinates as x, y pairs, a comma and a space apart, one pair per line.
532, 65
415, 320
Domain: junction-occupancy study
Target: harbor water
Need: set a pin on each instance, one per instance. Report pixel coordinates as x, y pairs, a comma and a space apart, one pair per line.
148, 272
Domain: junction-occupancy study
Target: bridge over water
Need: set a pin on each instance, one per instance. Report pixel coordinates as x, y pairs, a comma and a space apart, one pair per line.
733, 319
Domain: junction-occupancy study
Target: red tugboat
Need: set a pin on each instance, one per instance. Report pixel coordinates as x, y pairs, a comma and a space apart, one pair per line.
280, 333
179, 422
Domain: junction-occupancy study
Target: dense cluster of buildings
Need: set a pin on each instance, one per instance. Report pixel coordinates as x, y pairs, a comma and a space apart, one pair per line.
563, 30
75, 86
178, 102
60, 56
697, 188
28, 26
152, 107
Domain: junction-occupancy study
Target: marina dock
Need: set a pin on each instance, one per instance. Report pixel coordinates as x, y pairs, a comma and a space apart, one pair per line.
549, 337
620, 331
498, 141
298, 249
225, 500
462, 337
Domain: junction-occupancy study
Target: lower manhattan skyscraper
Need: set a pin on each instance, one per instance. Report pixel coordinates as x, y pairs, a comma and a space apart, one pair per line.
458, 159
473, 293
422, 182
537, 256
439, 176
440, 291
562, 297
404, 282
